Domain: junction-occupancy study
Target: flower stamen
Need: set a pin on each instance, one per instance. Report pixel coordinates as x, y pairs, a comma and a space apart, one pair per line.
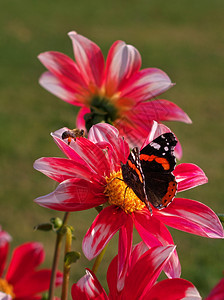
122, 195
6, 288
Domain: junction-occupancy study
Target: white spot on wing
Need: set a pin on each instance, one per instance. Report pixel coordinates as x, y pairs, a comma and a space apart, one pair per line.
155, 145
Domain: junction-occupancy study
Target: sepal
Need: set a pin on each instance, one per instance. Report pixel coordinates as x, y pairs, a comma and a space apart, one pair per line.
71, 257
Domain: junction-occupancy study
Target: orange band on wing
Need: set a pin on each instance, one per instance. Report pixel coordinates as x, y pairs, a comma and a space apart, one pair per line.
163, 162
147, 157
136, 170
171, 192
160, 160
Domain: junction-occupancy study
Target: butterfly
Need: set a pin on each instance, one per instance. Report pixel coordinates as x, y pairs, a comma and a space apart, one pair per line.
149, 172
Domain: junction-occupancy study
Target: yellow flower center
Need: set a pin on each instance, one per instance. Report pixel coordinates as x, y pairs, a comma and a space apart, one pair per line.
121, 195
6, 287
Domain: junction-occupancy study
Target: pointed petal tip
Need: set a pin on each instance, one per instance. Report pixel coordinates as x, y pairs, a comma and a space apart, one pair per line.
35, 164
219, 234
183, 117
169, 248
188, 120
70, 33
42, 76
37, 200
40, 55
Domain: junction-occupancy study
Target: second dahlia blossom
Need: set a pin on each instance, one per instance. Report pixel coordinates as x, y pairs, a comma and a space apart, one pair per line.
91, 176
144, 269
115, 91
22, 279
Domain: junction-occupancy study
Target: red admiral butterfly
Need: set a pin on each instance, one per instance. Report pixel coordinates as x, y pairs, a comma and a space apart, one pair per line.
149, 172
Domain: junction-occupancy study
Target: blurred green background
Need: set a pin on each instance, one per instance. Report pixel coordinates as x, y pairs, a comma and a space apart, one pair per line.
183, 38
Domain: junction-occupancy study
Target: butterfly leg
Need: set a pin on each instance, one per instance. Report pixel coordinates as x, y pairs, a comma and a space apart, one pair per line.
125, 195
113, 180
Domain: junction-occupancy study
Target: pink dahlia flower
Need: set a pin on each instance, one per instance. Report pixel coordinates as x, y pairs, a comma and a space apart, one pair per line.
140, 282
22, 280
83, 183
115, 91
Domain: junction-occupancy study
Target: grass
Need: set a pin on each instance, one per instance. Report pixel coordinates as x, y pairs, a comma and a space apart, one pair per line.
184, 38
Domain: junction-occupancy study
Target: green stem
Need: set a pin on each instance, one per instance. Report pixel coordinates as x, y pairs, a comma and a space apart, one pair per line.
99, 259
60, 234
67, 267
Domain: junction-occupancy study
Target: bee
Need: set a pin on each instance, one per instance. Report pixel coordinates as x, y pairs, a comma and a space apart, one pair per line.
73, 134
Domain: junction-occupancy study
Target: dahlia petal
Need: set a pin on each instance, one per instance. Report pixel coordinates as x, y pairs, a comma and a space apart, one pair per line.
4, 250
33, 298
111, 156
88, 287
89, 58
154, 234
63, 67
60, 169
25, 259
146, 84
73, 195
217, 292
124, 252
4, 296
85, 150
63, 145
134, 134
178, 150
156, 130
103, 132
5, 239
112, 274
189, 176
146, 271
191, 216
140, 134
159, 110
122, 62
137, 134
105, 225
56, 87
137, 251
92, 155
80, 122
34, 283
170, 289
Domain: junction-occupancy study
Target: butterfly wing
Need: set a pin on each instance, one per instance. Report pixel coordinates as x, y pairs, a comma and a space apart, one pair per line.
133, 175
158, 162
159, 154
160, 189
